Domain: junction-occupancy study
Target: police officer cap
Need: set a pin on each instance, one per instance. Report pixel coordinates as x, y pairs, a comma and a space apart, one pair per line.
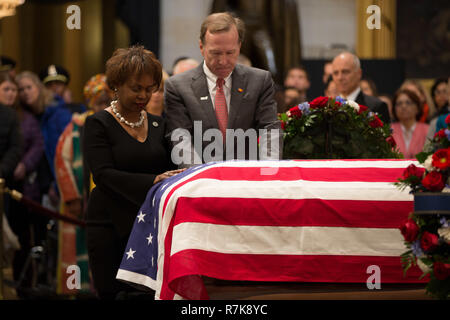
6, 63
54, 73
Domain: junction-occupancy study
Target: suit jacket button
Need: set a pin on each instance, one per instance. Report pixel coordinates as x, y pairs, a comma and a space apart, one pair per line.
155, 124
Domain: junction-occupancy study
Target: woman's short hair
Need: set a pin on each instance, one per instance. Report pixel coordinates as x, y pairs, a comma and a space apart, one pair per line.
131, 62
220, 22
411, 95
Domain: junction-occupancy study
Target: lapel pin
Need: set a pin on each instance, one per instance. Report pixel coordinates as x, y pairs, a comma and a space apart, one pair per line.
204, 98
155, 124
240, 89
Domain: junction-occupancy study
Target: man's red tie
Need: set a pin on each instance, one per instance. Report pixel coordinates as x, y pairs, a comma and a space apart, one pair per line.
221, 107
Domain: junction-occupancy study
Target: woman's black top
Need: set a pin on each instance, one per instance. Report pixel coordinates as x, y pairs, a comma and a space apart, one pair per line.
123, 168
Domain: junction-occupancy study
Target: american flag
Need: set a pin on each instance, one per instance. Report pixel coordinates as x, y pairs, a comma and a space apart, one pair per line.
295, 221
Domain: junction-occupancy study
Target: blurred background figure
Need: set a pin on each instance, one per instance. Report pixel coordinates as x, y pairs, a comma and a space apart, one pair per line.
74, 183
297, 77
427, 105
53, 117
8, 65
25, 181
156, 104
438, 122
327, 71
8, 89
49, 109
409, 134
388, 100
184, 64
368, 87
56, 78
331, 88
439, 95
292, 97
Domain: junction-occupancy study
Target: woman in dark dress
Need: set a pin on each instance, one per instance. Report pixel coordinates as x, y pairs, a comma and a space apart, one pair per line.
125, 150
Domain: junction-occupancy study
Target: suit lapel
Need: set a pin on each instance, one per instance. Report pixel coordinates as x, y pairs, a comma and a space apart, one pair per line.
360, 98
201, 92
238, 88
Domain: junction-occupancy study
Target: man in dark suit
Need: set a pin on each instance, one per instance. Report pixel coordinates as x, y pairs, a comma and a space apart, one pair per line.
221, 94
347, 76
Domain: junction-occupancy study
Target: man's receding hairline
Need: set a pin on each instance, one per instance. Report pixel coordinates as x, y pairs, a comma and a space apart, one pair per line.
355, 60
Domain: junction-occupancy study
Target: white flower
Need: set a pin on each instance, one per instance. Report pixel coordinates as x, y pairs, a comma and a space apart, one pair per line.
353, 104
444, 233
428, 163
423, 266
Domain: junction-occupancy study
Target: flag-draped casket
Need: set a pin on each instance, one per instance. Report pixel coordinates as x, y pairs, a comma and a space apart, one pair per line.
297, 221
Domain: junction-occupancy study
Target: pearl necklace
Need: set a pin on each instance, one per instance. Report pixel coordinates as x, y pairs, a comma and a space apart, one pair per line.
122, 119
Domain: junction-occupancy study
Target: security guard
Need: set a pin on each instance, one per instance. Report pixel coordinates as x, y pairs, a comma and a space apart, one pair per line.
7, 64
56, 79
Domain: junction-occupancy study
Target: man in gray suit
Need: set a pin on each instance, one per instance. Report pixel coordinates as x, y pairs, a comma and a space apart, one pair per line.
206, 102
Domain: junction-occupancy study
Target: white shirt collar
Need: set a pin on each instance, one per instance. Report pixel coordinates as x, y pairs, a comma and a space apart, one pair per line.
352, 96
213, 78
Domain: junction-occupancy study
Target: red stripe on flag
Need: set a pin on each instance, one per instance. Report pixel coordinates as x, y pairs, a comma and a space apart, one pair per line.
188, 264
290, 174
291, 212
309, 174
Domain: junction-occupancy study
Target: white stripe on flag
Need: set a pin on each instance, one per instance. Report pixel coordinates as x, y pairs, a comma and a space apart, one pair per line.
287, 240
134, 277
297, 189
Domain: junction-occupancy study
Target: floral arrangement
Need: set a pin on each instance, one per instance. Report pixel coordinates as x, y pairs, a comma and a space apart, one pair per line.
427, 236
328, 128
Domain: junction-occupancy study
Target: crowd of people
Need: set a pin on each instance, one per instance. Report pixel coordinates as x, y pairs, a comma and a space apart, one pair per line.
96, 160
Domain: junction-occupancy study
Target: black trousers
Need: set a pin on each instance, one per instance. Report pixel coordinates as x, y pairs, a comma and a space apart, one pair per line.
105, 250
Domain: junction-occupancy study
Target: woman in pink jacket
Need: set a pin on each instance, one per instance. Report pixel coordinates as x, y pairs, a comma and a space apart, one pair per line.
408, 132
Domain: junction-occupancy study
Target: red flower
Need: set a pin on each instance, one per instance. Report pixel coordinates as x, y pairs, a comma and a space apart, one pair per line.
283, 125
391, 141
429, 241
440, 134
441, 159
362, 108
376, 122
409, 230
295, 111
413, 171
447, 119
318, 102
433, 181
441, 270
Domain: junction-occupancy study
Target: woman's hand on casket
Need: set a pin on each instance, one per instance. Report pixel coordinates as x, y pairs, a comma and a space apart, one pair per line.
167, 174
